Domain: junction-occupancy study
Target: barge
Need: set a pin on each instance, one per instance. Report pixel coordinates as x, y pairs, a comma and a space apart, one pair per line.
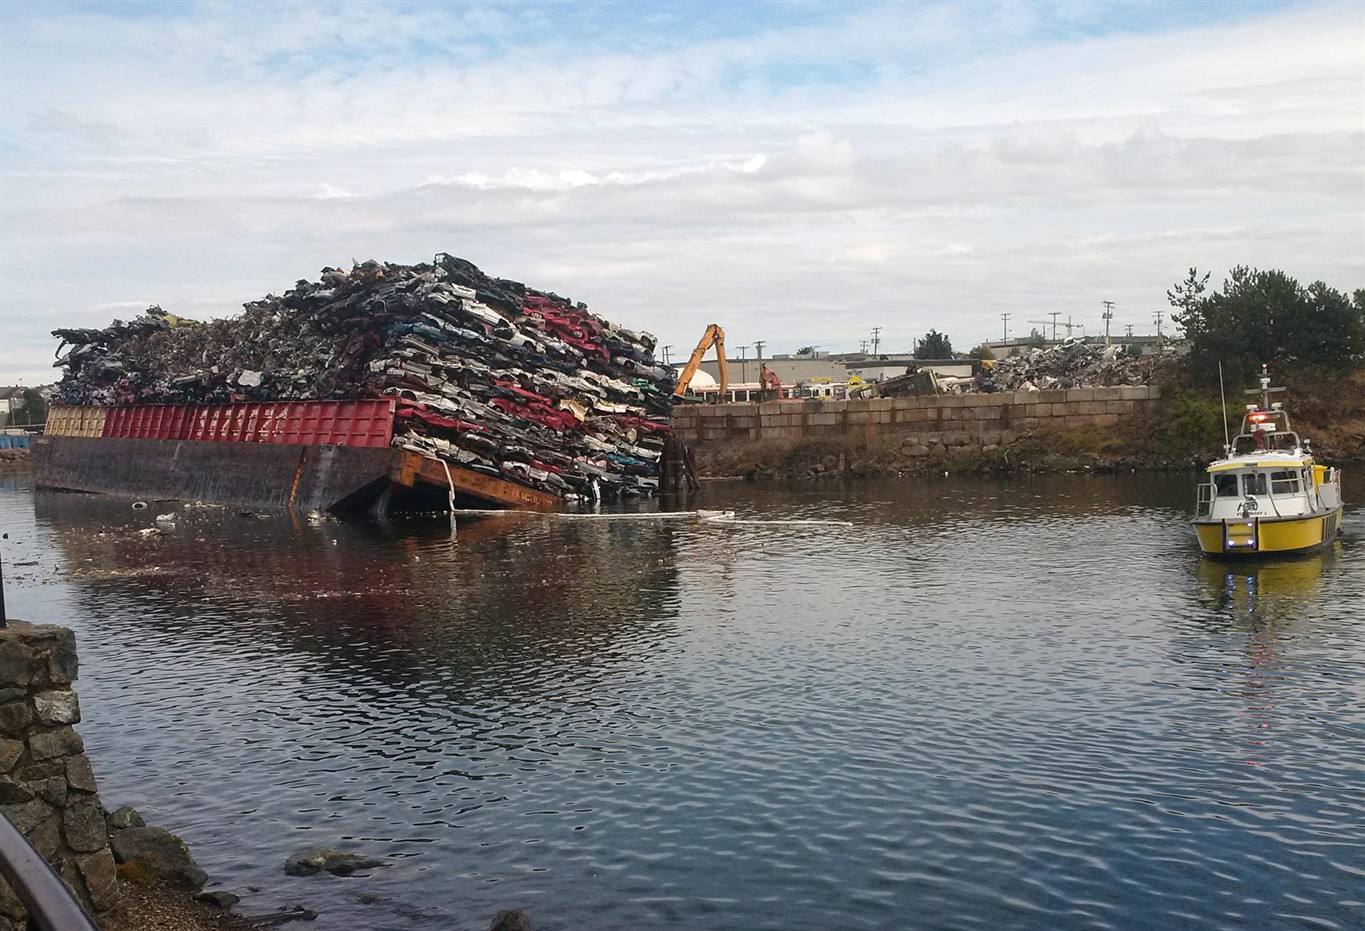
337, 456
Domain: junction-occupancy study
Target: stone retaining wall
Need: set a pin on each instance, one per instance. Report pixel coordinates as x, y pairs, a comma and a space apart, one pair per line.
47, 788
979, 419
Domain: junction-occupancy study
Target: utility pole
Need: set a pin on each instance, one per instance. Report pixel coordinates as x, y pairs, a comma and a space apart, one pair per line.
1130, 330
666, 348
1108, 315
862, 346
876, 339
1006, 318
1055, 314
1158, 315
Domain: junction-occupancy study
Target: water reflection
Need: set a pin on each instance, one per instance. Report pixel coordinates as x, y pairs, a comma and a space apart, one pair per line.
1026, 703
419, 600
1265, 593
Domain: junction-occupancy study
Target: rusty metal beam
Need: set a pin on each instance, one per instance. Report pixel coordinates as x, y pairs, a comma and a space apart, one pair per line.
414, 467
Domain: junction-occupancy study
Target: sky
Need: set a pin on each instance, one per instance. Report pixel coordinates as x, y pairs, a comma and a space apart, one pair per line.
801, 173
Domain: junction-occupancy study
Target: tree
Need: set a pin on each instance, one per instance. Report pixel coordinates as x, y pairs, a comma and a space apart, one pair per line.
26, 408
1267, 317
1184, 296
935, 345
981, 352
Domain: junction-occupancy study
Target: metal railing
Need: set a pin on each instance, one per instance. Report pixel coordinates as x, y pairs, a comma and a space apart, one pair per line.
50, 904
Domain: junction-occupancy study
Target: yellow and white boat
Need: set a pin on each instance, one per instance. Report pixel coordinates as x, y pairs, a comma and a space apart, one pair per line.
1267, 495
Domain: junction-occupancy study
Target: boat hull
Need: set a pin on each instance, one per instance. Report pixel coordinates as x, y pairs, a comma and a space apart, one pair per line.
290, 476
1268, 536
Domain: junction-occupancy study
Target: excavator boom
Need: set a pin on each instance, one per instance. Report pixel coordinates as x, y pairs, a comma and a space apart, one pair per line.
714, 336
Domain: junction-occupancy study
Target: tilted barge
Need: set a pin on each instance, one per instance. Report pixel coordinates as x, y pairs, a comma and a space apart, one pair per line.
295, 455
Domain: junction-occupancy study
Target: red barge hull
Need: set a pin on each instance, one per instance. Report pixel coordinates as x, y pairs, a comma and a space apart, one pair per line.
299, 456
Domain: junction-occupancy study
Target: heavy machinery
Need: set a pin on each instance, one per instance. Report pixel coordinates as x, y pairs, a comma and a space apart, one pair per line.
770, 386
714, 336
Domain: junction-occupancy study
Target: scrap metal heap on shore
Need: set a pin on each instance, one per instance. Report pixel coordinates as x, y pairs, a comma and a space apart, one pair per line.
488, 374
1070, 364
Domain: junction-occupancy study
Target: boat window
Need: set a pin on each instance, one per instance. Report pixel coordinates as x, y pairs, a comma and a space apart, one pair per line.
1225, 485
1284, 483
1254, 483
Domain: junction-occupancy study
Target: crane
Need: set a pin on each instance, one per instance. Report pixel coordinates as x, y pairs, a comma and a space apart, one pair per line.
1054, 324
714, 336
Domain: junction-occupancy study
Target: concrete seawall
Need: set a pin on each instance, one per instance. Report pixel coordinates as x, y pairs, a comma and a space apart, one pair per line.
979, 419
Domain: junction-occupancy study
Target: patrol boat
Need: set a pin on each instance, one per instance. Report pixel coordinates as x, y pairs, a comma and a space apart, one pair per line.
1267, 495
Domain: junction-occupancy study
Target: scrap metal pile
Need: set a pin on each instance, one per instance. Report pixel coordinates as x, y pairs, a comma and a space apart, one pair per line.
1071, 364
489, 374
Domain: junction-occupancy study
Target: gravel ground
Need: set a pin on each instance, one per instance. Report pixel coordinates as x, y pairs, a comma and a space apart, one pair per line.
162, 908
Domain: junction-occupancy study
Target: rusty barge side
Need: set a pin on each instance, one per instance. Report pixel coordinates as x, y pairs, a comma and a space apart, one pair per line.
299, 456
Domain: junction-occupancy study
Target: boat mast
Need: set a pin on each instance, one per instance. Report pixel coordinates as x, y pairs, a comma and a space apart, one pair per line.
1265, 391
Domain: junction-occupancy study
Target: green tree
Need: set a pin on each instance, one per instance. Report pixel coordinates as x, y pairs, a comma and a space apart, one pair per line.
1185, 295
1267, 317
981, 352
26, 408
935, 345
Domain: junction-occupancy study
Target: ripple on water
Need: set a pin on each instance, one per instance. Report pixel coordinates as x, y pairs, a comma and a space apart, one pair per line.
1024, 704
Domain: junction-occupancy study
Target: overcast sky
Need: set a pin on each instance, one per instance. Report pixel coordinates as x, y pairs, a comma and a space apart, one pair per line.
800, 173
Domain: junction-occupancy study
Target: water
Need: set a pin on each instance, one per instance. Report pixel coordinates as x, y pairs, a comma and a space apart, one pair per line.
1023, 704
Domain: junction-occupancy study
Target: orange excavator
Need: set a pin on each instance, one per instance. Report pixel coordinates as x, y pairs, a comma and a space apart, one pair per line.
714, 336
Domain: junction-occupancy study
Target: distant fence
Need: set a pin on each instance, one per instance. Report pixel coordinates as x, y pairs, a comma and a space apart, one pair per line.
975, 415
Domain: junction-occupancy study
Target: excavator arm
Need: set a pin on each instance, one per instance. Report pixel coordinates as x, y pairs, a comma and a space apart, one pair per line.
714, 336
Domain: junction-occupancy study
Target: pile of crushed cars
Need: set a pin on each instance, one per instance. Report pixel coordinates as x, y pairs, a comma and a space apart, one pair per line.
488, 374
1071, 364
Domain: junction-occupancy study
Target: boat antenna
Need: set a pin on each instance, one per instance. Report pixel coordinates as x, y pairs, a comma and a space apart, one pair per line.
1265, 391
1223, 400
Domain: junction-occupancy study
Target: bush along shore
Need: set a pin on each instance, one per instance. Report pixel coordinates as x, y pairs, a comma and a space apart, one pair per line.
1184, 431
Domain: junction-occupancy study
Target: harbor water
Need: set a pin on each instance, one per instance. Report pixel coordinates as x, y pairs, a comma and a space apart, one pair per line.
917, 704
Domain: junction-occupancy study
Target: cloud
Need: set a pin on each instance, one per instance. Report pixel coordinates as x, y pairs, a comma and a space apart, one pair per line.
787, 168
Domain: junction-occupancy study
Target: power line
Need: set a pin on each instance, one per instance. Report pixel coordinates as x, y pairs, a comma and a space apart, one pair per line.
1006, 318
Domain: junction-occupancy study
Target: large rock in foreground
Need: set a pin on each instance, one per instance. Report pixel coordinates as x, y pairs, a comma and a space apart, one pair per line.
159, 856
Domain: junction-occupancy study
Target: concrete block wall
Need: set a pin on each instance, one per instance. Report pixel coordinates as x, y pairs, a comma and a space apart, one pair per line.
47, 788
977, 416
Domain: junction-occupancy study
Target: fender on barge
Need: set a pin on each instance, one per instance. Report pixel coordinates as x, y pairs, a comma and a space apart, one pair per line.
294, 455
